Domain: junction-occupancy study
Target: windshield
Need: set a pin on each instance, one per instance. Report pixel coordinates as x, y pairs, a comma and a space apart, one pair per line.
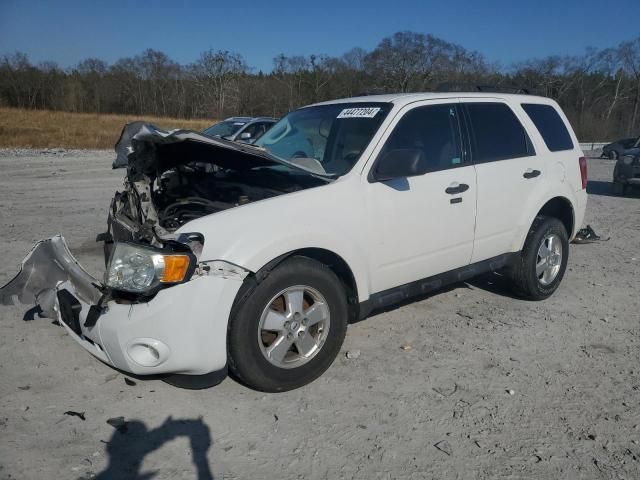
328, 139
223, 129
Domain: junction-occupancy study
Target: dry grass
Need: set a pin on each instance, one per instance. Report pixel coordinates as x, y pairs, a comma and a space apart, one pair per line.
48, 129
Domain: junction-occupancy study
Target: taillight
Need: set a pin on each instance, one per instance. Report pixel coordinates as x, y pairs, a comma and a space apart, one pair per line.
583, 171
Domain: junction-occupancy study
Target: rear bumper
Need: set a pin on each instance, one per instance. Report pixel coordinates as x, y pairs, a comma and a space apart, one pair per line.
181, 330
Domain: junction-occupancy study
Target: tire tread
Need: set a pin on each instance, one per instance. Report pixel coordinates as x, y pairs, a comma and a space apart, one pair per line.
524, 284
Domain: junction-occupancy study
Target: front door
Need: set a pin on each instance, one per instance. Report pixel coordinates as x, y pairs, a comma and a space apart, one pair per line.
424, 225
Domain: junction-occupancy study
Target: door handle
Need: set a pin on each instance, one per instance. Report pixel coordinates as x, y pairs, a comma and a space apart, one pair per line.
456, 188
531, 173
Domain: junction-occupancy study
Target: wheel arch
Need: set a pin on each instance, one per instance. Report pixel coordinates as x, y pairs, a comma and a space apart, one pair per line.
337, 264
559, 207
562, 209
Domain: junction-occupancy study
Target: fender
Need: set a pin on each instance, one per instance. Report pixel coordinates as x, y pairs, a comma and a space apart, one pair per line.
288, 245
253, 235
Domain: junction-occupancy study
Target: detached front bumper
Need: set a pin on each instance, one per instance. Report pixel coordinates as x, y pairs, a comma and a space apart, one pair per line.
181, 330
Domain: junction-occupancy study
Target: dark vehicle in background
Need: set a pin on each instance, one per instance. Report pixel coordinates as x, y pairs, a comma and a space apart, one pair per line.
615, 149
626, 173
240, 129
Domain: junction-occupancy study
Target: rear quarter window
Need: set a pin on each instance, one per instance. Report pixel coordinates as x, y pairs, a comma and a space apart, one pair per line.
496, 133
553, 130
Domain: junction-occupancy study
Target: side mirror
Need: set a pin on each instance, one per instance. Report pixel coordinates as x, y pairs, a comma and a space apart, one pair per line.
400, 163
245, 136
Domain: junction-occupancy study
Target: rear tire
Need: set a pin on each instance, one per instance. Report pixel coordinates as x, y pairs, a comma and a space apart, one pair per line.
537, 272
276, 316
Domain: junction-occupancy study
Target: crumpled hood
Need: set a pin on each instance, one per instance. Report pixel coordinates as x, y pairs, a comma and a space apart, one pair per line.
148, 148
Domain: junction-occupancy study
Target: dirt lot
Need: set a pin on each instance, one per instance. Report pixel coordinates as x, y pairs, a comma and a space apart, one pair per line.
505, 388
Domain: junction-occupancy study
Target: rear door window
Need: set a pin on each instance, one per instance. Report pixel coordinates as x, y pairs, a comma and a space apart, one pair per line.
435, 130
496, 133
550, 125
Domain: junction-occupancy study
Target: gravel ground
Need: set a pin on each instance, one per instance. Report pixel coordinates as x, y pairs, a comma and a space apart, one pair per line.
486, 386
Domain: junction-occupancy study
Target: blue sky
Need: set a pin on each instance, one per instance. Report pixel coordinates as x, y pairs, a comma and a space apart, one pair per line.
505, 31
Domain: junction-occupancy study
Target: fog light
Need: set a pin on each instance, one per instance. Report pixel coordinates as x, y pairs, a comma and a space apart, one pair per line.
148, 352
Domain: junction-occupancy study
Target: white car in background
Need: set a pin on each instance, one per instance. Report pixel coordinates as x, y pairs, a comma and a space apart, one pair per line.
240, 129
256, 258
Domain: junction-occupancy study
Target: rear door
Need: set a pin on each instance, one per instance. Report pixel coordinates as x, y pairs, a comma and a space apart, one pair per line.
421, 226
508, 173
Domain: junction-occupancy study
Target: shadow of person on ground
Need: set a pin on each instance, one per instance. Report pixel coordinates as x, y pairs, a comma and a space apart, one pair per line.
597, 187
132, 441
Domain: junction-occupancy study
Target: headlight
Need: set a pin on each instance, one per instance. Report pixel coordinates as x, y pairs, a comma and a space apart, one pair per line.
134, 268
627, 159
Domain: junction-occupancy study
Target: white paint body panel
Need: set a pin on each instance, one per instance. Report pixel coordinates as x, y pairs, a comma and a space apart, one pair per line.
181, 318
415, 232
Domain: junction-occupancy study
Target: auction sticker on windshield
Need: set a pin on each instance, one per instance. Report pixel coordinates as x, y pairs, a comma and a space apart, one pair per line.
362, 112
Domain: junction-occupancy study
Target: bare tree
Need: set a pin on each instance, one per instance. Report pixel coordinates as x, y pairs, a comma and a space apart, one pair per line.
407, 56
290, 71
599, 90
217, 74
630, 57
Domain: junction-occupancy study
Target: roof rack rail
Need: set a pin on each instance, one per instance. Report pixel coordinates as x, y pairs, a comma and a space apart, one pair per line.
461, 87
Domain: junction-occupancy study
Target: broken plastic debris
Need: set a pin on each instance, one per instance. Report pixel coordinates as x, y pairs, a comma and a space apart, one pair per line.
80, 415
129, 382
444, 447
352, 354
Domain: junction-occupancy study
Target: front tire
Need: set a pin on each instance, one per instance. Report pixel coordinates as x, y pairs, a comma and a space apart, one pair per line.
288, 330
539, 269
613, 155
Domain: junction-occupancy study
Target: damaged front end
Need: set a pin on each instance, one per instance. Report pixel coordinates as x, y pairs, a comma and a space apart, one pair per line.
47, 276
150, 314
131, 319
52, 279
177, 176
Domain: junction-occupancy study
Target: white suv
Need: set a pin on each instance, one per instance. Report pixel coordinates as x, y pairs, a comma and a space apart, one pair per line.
256, 258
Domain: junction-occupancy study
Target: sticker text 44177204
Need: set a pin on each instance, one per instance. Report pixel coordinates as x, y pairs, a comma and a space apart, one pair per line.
359, 112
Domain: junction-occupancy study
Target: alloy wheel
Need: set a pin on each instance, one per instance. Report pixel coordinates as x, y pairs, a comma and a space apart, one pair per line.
549, 259
294, 326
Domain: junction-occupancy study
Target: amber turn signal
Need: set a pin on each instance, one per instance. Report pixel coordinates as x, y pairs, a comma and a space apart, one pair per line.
175, 268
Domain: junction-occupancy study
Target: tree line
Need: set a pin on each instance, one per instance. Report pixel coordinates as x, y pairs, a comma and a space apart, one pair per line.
599, 90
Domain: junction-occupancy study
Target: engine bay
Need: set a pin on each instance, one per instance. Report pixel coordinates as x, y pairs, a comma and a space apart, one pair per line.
191, 191
176, 176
